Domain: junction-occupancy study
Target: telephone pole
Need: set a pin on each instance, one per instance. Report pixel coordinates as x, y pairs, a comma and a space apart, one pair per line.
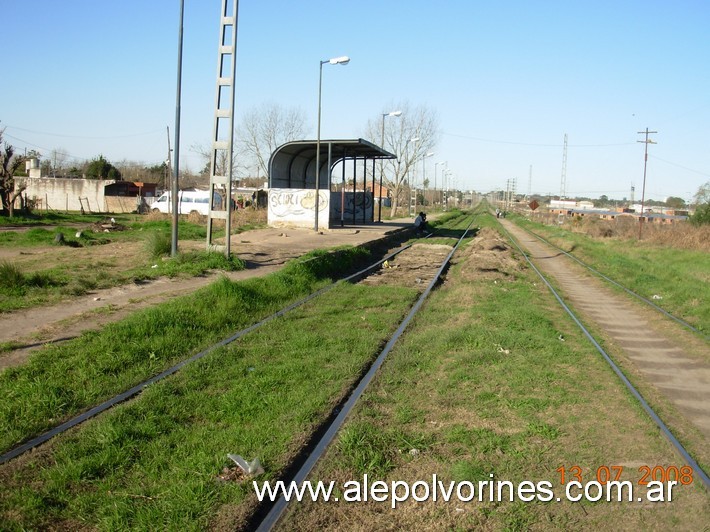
647, 141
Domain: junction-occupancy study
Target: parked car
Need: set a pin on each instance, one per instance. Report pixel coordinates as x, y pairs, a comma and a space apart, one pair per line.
189, 201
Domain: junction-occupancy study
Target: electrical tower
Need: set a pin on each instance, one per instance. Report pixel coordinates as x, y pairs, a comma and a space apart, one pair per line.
530, 182
563, 182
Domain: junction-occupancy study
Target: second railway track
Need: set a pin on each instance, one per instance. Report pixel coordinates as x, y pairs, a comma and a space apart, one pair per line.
189, 395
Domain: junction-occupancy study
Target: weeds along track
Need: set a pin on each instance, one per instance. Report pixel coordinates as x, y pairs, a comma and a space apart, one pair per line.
416, 267
281, 392
621, 286
567, 306
309, 458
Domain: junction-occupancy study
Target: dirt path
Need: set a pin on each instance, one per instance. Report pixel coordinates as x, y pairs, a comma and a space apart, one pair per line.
652, 345
263, 250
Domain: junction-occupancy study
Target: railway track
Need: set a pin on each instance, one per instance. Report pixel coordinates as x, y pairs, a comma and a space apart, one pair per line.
278, 509
622, 287
135, 390
269, 516
569, 309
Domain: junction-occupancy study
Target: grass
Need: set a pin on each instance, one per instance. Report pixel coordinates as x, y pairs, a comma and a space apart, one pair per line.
485, 381
134, 230
74, 272
26, 290
481, 383
154, 462
679, 276
64, 379
52, 218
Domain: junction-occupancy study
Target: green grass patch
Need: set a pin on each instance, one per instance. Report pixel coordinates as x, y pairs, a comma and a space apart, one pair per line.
155, 461
25, 290
483, 376
62, 380
679, 277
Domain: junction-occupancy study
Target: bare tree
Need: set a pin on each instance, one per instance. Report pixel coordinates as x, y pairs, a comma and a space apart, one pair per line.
702, 196
58, 159
264, 129
222, 163
419, 123
9, 164
260, 132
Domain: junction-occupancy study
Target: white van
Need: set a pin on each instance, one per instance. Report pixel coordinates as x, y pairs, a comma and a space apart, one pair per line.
189, 201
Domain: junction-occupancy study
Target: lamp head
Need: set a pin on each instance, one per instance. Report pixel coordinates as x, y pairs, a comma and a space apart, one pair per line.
342, 60
395, 113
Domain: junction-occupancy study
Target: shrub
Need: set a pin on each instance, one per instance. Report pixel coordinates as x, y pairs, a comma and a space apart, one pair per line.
701, 216
10, 276
158, 244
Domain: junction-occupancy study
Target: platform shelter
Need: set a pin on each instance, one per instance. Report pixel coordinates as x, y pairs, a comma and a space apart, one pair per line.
296, 200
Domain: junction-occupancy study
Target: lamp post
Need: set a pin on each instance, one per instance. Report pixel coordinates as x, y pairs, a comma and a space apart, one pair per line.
447, 173
382, 164
428, 154
414, 176
343, 60
435, 169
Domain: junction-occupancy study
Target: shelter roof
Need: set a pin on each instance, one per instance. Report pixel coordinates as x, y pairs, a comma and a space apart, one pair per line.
292, 165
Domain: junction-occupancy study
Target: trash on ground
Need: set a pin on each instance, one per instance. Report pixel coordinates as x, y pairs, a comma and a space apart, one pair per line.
250, 468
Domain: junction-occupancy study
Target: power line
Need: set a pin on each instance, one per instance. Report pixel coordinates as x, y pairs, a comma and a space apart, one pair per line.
86, 136
516, 143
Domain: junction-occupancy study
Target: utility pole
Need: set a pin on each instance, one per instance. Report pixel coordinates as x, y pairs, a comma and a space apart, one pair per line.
647, 141
563, 182
176, 166
530, 182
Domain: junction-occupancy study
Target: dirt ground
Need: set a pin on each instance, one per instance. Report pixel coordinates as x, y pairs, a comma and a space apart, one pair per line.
414, 267
263, 250
673, 361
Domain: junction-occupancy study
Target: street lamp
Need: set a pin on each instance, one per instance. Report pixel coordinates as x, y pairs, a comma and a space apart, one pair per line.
435, 169
414, 176
446, 175
382, 164
343, 60
427, 154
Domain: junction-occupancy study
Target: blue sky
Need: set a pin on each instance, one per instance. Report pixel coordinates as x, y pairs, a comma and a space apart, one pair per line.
508, 79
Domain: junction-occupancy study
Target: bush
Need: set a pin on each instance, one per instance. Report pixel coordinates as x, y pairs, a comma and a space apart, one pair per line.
10, 276
158, 244
701, 216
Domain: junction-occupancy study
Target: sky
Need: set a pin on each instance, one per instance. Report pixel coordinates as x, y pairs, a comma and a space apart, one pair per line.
507, 80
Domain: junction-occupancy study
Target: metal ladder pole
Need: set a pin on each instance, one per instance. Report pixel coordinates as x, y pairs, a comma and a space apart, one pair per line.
221, 164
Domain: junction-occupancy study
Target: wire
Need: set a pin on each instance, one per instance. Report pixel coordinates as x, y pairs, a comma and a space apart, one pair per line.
679, 166
86, 136
534, 144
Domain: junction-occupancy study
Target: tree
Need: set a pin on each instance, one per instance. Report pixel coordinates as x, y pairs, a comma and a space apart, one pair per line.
100, 168
674, 202
702, 206
415, 123
701, 215
58, 158
9, 164
264, 129
260, 132
702, 196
